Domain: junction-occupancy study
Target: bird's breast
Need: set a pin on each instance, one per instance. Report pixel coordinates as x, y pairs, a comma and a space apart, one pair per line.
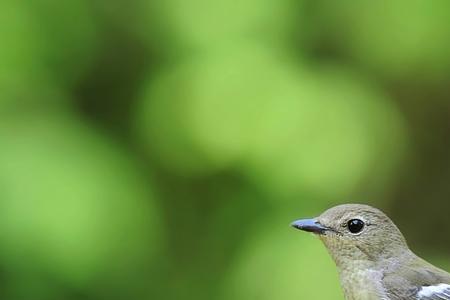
362, 284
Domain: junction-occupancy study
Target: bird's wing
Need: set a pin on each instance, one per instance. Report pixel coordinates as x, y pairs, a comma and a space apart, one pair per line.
417, 280
434, 292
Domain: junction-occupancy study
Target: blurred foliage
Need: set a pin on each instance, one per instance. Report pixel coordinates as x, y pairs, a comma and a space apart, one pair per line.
159, 149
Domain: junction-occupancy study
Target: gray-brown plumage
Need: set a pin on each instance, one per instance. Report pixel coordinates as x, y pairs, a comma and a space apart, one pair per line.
372, 257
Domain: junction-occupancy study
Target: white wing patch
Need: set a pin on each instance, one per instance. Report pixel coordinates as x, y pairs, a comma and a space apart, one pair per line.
440, 291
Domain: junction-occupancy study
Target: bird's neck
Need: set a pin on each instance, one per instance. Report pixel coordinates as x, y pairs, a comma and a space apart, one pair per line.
362, 283
356, 258
359, 278
361, 275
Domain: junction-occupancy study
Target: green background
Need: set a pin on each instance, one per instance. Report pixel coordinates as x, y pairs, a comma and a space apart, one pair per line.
160, 149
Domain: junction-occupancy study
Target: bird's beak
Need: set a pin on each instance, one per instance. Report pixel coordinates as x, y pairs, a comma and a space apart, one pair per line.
310, 225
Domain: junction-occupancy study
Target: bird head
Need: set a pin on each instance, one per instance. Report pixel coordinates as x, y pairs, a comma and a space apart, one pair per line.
356, 232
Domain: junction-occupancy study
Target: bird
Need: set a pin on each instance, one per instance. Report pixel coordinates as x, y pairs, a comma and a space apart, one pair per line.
373, 259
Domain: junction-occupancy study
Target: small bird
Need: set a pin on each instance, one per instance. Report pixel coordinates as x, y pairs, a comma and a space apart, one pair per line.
372, 257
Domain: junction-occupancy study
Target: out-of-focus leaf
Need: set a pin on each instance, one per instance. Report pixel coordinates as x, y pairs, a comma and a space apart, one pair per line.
48, 38
394, 38
333, 133
278, 263
206, 24
71, 203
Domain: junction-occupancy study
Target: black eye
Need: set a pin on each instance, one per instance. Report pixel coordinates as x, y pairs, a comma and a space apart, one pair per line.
355, 225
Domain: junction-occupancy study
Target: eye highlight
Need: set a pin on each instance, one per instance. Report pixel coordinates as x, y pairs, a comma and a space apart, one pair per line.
355, 226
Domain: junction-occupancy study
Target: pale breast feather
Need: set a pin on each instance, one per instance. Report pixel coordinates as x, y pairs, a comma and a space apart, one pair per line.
434, 292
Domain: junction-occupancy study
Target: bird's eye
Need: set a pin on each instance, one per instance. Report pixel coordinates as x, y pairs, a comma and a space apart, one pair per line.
355, 226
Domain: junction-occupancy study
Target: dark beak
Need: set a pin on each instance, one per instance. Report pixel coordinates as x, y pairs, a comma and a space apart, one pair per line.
310, 225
